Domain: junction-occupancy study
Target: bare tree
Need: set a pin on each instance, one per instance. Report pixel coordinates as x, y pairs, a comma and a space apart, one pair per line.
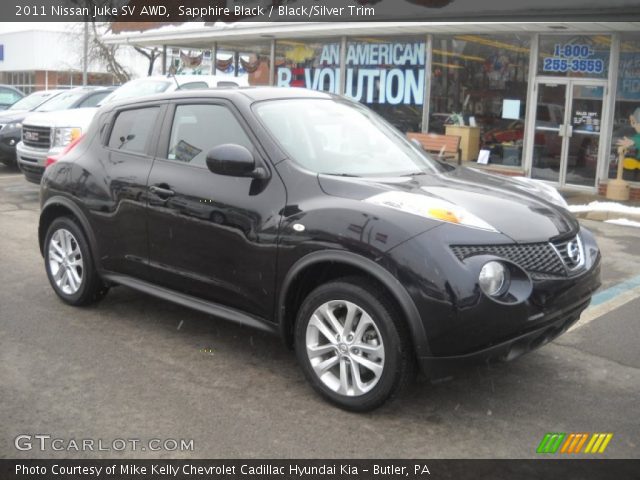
107, 54
152, 55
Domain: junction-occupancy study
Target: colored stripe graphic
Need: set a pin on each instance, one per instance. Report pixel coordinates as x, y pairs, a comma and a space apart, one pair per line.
551, 442
598, 442
572, 443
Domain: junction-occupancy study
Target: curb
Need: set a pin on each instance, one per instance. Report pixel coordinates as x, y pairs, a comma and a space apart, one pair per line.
602, 216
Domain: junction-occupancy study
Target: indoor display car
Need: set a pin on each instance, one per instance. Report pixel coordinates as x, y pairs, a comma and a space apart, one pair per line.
307, 215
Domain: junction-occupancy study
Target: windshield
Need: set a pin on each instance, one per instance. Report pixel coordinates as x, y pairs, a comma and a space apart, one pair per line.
61, 102
137, 89
31, 101
341, 138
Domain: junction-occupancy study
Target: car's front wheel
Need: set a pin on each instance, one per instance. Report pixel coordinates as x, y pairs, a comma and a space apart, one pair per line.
69, 264
352, 344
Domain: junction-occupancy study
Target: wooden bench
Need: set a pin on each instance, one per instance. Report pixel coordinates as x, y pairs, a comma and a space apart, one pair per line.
445, 146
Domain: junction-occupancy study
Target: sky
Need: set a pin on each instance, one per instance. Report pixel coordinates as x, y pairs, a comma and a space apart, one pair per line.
7, 27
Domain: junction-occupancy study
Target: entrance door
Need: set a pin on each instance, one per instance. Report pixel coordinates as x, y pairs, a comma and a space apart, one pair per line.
567, 132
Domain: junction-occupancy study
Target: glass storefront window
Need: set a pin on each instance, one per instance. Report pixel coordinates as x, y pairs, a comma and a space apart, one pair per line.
250, 61
574, 55
387, 75
482, 79
313, 64
626, 122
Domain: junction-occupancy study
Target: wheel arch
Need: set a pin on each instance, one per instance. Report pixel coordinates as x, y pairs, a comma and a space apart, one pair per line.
56, 207
341, 264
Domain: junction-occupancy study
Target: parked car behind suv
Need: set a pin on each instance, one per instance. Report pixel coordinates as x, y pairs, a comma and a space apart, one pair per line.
11, 122
48, 134
8, 96
46, 101
307, 215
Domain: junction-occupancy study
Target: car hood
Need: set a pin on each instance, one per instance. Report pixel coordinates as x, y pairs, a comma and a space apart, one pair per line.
13, 116
76, 117
514, 209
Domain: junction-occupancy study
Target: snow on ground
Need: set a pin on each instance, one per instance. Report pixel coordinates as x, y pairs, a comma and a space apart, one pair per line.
624, 222
605, 207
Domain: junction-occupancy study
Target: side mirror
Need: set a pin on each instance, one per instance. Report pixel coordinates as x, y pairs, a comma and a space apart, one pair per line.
417, 143
234, 161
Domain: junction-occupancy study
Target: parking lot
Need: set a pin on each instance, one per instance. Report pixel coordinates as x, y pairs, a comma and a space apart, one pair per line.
135, 367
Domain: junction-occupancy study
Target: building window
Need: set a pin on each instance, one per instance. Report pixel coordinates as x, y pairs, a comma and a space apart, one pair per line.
574, 55
252, 61
388, 75
481, 80
626, 122
313, 64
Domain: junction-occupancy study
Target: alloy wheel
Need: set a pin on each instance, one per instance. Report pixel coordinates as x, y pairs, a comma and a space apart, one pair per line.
345, 348
65, 261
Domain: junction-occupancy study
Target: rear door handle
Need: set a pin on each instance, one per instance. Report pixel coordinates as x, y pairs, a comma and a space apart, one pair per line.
161, 191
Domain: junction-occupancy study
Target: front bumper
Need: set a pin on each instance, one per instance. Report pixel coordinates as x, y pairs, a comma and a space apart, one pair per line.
8, 144
463, 326
31, 161
439, 367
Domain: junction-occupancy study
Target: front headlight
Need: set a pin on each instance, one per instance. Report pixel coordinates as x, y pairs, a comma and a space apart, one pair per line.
493, 278
12, 126
429, 207
64, 136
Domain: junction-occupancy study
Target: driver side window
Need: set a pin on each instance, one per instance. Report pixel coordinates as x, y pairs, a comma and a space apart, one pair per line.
196, 129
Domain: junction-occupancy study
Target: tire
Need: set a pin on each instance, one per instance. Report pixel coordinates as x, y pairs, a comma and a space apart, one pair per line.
376, 350
85, 286
9, 163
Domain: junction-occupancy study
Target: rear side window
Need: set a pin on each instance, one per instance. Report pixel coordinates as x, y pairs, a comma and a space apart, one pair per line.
94, 99
193, 85
197, 129
132, 130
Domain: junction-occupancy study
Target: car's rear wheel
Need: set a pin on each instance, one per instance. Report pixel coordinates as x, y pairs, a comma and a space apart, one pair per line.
69, 264
352, 344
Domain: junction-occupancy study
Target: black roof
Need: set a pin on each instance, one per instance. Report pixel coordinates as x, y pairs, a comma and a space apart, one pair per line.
236, 94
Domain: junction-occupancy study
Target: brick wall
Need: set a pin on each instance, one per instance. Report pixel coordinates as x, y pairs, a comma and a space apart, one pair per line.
634, 192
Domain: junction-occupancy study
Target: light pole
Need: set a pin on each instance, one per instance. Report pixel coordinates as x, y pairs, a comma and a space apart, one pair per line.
85, 54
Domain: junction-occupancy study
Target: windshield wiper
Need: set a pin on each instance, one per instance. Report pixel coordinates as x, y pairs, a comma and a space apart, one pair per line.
414, 174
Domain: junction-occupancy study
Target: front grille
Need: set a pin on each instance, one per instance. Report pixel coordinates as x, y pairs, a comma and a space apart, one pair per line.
38, 137
533, 257
540, 259
571, 252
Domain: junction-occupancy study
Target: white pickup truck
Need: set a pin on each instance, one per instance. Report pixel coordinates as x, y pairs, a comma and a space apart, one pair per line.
46, 135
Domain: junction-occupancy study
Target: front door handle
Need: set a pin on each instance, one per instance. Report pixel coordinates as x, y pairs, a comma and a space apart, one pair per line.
161, 191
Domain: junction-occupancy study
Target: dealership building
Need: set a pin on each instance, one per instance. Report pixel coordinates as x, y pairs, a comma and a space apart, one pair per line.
545, 100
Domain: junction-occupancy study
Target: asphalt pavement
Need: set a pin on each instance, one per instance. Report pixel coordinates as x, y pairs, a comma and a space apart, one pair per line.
134, 367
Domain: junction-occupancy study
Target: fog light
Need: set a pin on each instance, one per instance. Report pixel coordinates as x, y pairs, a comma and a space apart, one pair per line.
493, 278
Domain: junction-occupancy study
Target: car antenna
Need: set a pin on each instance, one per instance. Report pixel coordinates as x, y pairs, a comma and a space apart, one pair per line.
172, 74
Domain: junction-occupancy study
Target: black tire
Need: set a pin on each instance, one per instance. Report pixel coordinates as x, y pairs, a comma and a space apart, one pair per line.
9, 163
91, 288
399, 360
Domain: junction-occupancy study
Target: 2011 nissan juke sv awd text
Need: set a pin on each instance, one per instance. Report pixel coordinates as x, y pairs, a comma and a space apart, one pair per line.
307, 215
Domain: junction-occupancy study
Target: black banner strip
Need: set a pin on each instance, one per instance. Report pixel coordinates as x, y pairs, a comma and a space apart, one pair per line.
178, 11
569, 469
